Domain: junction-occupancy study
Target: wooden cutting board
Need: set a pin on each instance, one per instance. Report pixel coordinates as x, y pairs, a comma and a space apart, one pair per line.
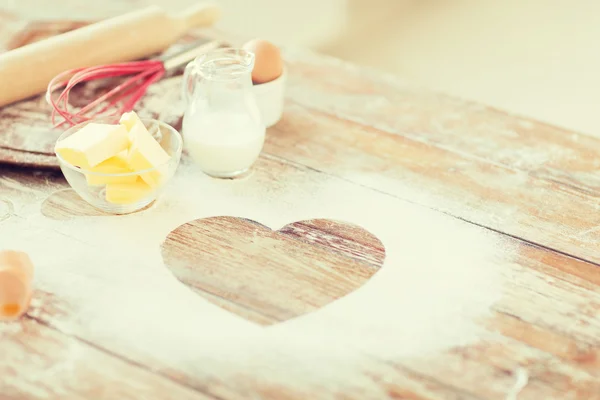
28, 137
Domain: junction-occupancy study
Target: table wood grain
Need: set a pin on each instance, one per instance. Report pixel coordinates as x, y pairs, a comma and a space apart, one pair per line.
531, 186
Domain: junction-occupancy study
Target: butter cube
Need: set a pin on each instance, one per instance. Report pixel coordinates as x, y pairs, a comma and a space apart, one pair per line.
127, 193
129, 119
145, 152
93, 144
118, 164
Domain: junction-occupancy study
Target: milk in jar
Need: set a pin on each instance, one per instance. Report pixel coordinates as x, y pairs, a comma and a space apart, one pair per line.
231, 151
222, 126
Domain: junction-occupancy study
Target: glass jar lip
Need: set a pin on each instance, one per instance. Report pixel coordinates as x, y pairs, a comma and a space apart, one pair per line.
225, 63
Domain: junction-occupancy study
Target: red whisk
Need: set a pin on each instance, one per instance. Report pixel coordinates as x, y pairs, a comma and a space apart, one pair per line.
123, 97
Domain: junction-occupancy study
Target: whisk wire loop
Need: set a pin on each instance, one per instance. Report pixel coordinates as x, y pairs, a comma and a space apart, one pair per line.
122, 97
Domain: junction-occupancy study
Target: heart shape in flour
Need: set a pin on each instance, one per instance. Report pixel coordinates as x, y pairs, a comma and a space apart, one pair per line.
271, 276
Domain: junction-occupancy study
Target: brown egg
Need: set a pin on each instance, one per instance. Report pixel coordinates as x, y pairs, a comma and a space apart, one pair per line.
16, 274
268, 64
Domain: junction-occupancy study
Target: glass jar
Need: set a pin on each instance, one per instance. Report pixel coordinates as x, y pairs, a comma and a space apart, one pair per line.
222, 125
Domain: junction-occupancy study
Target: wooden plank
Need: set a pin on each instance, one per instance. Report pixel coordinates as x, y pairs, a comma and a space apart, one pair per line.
34, 31
471, 188
491, 367
27, 159
24, 188
39, 363
572, 351
495, 363
471, 129
512, 174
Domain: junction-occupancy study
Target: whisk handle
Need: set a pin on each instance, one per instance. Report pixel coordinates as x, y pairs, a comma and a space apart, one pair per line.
190, 52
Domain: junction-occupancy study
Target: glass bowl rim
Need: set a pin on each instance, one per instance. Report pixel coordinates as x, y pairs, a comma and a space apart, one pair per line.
67, 164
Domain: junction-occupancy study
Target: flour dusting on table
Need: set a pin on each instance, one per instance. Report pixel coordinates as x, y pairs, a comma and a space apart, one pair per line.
438, 278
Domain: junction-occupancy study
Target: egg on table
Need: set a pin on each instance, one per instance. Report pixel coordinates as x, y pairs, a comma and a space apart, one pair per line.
268, 64
16, 274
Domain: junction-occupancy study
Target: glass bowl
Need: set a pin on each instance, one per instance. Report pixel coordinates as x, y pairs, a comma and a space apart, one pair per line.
125, 198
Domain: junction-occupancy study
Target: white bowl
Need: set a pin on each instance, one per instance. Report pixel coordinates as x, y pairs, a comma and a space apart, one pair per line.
270, 98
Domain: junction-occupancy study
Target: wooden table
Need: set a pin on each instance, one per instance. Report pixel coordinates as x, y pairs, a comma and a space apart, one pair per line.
490, 287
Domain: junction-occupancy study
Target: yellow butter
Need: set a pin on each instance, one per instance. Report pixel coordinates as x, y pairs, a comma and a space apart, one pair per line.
93, 144
145, 152
128, 193
118, 164
129, 119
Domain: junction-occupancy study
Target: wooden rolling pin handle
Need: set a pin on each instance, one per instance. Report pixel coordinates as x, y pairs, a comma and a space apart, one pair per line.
199, 15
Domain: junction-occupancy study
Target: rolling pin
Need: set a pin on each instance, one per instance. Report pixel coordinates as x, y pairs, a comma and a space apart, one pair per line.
26, 71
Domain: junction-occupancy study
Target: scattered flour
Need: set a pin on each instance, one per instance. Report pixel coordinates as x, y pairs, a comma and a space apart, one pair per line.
522, 378
6, 209
439, 276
